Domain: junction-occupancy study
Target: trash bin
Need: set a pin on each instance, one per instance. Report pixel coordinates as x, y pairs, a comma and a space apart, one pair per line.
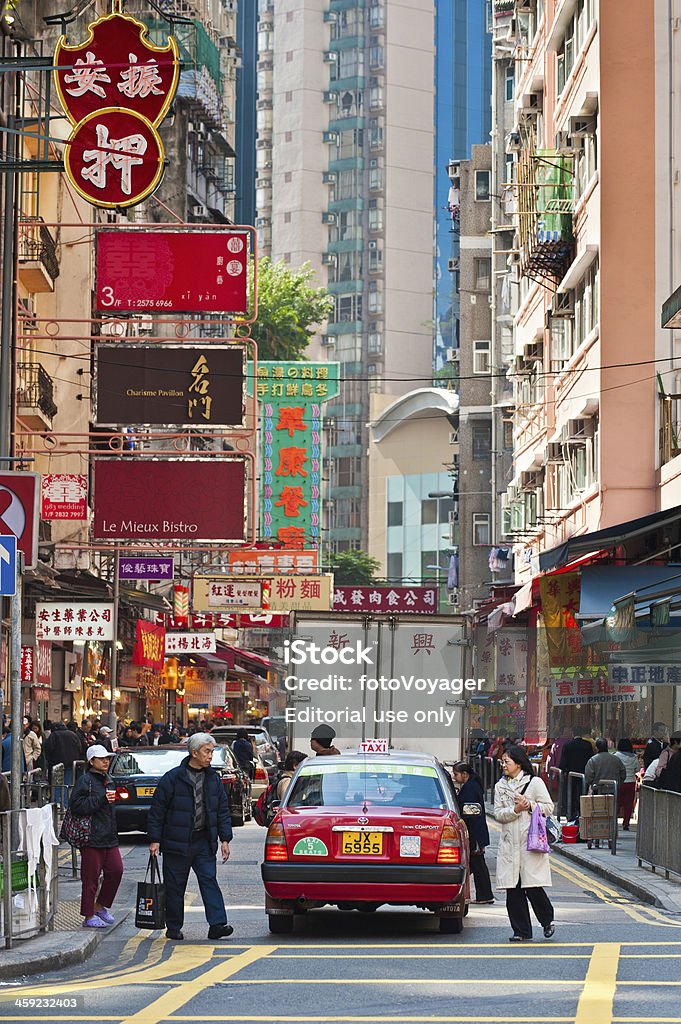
570, 833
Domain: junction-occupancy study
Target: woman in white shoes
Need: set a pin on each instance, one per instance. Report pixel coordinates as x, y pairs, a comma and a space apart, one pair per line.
521, 872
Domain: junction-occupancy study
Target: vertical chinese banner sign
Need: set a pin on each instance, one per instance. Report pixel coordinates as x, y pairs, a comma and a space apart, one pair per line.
292, 396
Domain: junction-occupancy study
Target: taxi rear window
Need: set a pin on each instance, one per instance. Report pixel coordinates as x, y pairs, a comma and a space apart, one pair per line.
353, 785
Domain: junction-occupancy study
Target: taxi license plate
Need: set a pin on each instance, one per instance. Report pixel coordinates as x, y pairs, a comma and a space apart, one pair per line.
146, 790
363, 843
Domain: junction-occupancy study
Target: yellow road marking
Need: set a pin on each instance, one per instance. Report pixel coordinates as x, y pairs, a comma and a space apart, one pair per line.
409, 981
441, 956
598, 995
397, 1019
180, 961
161, 1008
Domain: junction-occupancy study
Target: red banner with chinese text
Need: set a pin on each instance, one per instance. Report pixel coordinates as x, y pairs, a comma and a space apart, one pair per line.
150, 645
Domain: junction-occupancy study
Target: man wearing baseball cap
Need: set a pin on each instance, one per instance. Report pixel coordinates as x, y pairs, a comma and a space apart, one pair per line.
107, 738
101, 866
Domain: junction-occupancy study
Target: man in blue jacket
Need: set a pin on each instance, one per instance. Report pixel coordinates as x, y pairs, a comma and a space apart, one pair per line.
188, 814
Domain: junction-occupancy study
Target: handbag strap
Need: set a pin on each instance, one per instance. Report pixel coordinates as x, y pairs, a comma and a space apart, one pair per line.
153, 870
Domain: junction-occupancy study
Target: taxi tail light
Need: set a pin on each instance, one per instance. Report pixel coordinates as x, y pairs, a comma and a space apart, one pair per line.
122, 793
450, 846
260, 774
275, 843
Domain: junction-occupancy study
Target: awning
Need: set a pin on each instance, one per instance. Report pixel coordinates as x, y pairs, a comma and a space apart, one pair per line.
671, 310
523, 599
602, 585
249, 656
607, 538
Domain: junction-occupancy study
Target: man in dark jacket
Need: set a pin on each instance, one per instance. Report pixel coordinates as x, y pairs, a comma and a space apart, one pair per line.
575, 755
188, 814
62, 747
656, 743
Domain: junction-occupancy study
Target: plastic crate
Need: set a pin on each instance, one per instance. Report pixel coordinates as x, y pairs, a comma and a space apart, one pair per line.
19, 877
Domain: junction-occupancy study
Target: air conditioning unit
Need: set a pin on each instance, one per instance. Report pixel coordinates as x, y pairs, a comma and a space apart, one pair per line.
328, 341
27, 314
452, 355
532, 101
329, 97
372, 244
114, 328
453, 265
145, 324
330, 16
330, 137
329, 177
453, 438
330, 56
554, 452
581, 429
563, 305
453, 598
580, 127
329, 259
329, 218
197, 210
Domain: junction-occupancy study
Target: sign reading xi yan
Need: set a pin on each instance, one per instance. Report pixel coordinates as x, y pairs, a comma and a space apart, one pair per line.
116, 88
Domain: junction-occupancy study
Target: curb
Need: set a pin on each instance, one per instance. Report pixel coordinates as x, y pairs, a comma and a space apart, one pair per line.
642, 892
21, 960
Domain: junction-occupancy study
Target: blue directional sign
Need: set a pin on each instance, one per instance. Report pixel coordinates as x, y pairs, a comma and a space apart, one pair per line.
8, 566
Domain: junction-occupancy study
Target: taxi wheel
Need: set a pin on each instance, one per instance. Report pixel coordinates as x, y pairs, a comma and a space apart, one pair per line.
451, 925
280, 924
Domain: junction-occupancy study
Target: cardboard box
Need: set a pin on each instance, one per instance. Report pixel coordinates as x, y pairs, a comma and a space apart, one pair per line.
597, 806
595, 828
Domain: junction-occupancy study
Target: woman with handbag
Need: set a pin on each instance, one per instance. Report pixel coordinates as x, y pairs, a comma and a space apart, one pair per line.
91, 802
522, 872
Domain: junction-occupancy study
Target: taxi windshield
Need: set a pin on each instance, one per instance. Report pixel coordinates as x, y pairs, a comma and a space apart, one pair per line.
353, 785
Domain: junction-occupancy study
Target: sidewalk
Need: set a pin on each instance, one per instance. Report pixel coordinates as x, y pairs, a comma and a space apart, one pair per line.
623, 870
69, 943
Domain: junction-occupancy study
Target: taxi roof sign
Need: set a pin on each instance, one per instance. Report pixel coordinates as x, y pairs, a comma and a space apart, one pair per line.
373, 747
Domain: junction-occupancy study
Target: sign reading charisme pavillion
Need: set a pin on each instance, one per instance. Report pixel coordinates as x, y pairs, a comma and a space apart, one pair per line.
182, 385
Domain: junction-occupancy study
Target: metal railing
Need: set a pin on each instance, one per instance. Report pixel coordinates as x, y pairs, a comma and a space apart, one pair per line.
36, 388
659, 827
20, 916
36, 243
670, 427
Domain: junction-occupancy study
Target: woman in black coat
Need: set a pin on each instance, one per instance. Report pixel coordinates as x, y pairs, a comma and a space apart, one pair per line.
100, 858
472, 805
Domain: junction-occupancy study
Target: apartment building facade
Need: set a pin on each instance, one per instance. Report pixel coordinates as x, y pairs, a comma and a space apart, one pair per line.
582, 125
345, 182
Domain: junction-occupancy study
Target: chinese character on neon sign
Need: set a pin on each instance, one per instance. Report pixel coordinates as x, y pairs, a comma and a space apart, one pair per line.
116, 88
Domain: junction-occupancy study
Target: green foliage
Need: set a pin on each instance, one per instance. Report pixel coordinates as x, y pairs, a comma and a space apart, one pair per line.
289, 307
353, 568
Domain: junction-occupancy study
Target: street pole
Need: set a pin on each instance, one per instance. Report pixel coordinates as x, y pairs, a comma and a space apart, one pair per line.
15, 696
114, 645
7, 321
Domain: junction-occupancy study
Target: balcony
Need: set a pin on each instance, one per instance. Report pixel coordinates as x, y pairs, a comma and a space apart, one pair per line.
545, 207
35, 396
38, 263
670, 427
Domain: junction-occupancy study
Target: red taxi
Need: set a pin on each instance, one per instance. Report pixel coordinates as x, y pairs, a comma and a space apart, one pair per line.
361, 830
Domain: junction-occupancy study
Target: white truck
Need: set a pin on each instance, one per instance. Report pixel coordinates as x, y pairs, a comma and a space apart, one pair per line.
401, 677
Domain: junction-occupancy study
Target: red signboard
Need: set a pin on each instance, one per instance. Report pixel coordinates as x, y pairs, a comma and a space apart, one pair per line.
27, 664
422, 600
115, 88
172, 271
170, 499
150, 645
43, 675
225, 620
116, 67
19, 494
64, 496
114, 158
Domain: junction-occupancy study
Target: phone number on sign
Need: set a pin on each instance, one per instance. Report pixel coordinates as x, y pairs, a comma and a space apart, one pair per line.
51, 1002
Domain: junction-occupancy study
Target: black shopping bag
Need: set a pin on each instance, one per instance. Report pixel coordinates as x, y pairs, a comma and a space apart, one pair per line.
150, 909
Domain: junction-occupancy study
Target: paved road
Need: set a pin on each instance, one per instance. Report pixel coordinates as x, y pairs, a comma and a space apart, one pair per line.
612, 960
